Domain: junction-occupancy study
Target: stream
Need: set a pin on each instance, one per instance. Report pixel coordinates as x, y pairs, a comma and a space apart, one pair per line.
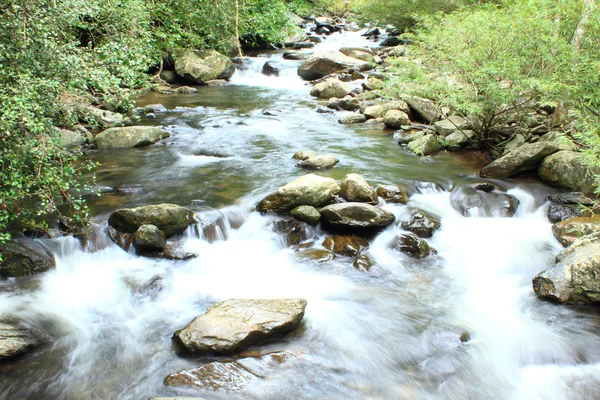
389, 333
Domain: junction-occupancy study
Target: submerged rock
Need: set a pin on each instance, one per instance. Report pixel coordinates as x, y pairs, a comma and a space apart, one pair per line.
412, 245
355, 217
392, 194
471, 202
521, 159
569, 230
129, 137
568, 169
363, 263
149, 238
15, 340
169, 218
232, 326
23, 256
322, 64
576, 275
202, 66
304, 155
307, 214
355, 188
293, 231
311, 190
322, 161
350, 246
421, 223
228, 376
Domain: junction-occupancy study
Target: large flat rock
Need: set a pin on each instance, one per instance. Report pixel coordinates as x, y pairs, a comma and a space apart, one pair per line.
308, 190
355, 217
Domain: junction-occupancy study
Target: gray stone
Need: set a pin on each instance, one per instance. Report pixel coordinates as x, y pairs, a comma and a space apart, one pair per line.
304, 155
149, 238
395, 119
424, 109
331, 88
15, 340
322, 161
451, 124
426, 145
373, 112
412, 245
70, 139
169, 218
128, 137
355, 217
421, 223
202, 66
307, 214
321, 64
347, 103
392, 194
568, 169
312, 190
355, 188
459, 139
232, 326
352, 118
569, 230
155, 108
516, 142
23, 256
521, 159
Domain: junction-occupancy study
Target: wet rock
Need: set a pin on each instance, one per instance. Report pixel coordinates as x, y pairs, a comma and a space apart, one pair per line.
232, 326
123, 240
426, 145
465, 337
471, 202
23, 256
155, 108
330, 88
423, 109
322, 64
569, 230
292, 230
310, 190
485, 187
131, 136
390, 41
149, 238
395, 119
572, 198
185, 90
372, 32
307, 214
176, 398
412, 245
392, 194
304, 155
421, 223
15, 340
363, 263
347, 103
172, 252
322, 161
405, 137
318, 255
459, 139
228, 376
352, 118
292, 55
451, 124
575, 276
521, 159
373, 112
355, 188
561, 212
204, 65
355, 217
350, 246
303, 45
169, 218
569, 170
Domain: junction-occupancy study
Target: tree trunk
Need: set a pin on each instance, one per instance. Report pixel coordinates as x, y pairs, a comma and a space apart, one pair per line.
237, 24
586, 12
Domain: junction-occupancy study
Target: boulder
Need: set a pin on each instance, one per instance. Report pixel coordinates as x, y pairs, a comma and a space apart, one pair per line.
561, 140
228, 376
102, 118
424, 110
347, 103
293, 55
307, 214
292, 231
452, 124
169, 218
23, 256
155, 108
392, 194
310, 190
561, 212
352, 118
350, 246
149, 238
232, 326
330, 88
204, 65
70, 139
304, 155
303, 45
321, 64
426, 145
168, 76
575, 277
131, 136
459, 139
395, 119
412, 245
356, 188
471, 202
521, 159
568, 169
360, 53
373, 112
516, 142
406, 137
355, 217
569, 230
15, 340
322, 161
421, 223
572, 198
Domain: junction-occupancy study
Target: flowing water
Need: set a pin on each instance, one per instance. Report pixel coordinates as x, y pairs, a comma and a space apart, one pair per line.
390, 333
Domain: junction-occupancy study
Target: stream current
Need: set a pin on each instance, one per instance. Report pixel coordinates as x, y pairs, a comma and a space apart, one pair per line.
389, 333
